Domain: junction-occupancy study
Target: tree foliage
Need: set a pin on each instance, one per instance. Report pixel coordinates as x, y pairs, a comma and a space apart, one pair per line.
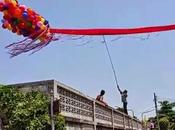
26, 110
164, 123
167, 112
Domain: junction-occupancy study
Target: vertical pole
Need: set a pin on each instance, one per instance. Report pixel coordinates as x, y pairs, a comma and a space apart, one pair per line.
94, 117
132, 124
142, 121
155, 101
132, 119
51, 108
138, 125
112, 119
124, 120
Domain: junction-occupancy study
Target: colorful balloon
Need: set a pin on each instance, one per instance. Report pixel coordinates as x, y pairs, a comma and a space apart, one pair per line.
24, 21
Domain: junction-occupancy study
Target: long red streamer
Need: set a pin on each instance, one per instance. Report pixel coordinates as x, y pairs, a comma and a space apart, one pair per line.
113, 31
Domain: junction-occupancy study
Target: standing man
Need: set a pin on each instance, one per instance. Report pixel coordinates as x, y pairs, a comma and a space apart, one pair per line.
124, 96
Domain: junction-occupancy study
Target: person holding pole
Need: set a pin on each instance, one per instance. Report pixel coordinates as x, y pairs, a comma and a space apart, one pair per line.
124, 95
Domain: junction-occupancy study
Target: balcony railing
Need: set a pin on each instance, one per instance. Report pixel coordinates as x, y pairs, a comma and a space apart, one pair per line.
84, 109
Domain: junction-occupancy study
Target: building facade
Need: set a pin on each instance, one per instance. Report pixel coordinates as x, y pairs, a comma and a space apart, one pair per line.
81, 111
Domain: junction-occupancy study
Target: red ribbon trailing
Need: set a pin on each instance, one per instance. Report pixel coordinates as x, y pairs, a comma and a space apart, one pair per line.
106, 31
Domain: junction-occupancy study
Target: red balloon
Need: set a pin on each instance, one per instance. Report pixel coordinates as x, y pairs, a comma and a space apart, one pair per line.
6, 17
17, 13
22, 8
30, 11
11, 6
11, 9
22, 25
1, 6
3, 26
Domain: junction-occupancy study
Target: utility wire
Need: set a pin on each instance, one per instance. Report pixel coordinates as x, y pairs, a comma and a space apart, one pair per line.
164, 98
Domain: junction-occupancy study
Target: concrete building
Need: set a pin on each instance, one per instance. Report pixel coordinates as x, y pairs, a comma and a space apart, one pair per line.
81, 111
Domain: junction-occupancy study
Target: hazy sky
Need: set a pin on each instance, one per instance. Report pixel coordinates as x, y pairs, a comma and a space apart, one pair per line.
142, 66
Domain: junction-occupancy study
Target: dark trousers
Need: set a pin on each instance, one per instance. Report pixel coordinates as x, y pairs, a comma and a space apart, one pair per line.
125, 107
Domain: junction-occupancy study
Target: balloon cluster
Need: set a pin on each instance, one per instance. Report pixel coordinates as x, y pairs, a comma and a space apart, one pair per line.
23, 20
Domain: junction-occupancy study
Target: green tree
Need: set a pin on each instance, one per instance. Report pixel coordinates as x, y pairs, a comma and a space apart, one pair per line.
166, 110
166, 107
164, 123
26, 110
167, 114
